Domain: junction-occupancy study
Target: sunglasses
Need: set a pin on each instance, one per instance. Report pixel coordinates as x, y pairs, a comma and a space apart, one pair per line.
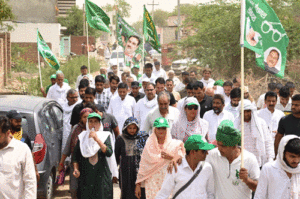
191, 107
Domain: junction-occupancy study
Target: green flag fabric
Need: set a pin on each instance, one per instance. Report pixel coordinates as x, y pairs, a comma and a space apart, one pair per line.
46, 52
96, 17
131, 42
265, 35
149, 29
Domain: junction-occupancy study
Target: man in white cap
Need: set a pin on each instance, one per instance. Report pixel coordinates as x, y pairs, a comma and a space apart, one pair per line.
281, 178
158, 71
171, 75
59, 90
258, 139
145, 81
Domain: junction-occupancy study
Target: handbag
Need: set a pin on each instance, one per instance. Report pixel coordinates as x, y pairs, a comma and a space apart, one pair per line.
189, 182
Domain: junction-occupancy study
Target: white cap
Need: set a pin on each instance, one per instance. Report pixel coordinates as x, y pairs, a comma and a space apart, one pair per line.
145, 79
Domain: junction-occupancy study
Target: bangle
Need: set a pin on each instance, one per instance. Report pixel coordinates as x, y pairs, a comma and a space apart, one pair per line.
61, 164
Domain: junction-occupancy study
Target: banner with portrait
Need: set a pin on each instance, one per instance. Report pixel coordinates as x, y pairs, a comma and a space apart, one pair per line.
265, 35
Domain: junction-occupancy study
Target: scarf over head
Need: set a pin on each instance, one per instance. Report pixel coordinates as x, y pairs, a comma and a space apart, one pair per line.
227, 134
129, 121
256, 128
295, 191
182, 128
89, 147
151, 160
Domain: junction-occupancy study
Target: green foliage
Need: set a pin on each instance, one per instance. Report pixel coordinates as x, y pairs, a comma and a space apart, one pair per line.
6, 14
74, 23
20, 64
123, 8
71, 70
160, 17
185, 9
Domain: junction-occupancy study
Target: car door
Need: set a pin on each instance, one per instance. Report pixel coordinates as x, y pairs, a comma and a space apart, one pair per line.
58, 120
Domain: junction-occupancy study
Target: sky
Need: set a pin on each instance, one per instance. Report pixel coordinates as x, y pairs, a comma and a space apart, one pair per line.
137, 6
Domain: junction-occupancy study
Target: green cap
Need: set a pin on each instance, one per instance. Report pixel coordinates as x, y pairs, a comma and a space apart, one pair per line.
91, 115
136, 66
161, 122
192, 103
59, 72
103, 76
227, 134
66, 81
53, 76
197, 142
219, 83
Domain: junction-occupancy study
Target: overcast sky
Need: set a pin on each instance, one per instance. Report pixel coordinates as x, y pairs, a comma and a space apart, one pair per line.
137, 6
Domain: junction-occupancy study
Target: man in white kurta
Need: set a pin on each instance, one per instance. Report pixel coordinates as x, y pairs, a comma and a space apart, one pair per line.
261, 100
206, 80
285, 102
163, 110
171, 75
216, 116
233, 106
271, 115
122, 106
158, 71
203, 185
59, 90
145, 105
72, 97
84, 74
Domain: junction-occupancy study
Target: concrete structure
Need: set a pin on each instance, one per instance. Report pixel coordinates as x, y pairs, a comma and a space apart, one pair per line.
35, 11
5, 58
63, 6
27, 33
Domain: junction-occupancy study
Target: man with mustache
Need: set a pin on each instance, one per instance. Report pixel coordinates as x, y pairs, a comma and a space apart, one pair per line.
132, 44
216, 116
235, 98
271, 115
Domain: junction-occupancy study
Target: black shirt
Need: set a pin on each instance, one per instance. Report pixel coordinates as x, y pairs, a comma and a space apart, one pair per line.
172, 98
289, 125
109, 122
206, 105
138, 97
76, 112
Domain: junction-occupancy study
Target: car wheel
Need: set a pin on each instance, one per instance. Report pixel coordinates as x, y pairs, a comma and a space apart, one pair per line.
50, 186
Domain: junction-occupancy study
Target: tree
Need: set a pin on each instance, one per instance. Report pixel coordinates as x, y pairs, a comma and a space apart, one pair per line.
161, 17
185, 9
74, 23
123, 8
138, 26
5, 15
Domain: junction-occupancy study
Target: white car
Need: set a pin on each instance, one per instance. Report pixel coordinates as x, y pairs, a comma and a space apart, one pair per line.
117, 58
181, 65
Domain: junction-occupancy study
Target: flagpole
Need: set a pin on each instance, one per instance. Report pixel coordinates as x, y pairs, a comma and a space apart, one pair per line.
39, 62
87, 44
242, 81
143, 54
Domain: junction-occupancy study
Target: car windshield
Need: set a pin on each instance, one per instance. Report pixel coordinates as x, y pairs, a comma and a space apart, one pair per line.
114, 55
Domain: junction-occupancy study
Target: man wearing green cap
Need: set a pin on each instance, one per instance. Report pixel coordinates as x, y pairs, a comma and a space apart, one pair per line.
193, 164
232, 181
135, 71
53, 81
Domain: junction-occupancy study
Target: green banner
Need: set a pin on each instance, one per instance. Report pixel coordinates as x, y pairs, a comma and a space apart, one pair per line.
265, 35
96, 17
131, 42
149, 29
46, 52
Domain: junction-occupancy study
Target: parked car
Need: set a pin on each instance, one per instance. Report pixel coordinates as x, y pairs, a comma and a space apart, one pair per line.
117, 58
181, 65
42, 121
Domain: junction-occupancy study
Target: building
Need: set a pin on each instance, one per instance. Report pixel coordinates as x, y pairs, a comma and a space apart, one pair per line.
63, 6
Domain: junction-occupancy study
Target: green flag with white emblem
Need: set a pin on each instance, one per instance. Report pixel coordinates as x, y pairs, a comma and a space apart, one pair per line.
264, 34
150, 33
46, 52
96, 17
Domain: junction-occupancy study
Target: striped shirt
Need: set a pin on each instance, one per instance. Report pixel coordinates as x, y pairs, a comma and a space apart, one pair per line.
104, 98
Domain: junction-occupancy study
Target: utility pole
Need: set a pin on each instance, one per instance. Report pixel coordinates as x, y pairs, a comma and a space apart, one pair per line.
153, 4
83, 20
178, 8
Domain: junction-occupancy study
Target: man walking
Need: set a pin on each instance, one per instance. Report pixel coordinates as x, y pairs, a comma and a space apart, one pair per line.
193, 164
148, 73
102, 95
233, 106
135, 91
17, 173
158, 71
204, 100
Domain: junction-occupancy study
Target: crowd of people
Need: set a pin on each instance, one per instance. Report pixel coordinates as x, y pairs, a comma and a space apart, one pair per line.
159, 136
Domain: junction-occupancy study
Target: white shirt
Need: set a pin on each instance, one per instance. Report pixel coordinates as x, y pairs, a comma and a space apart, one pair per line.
67, 126
142, 108
287, 108
180, 103
91, 80
214, 120
152, 78
261, 102
17, 172
179, 87
273, 183
202, 187
234, 110
159, 73
225, 175
250, 141
121, 109
227, 99
110, 94
219, 90
208, 83
154, 114
59, 93
272, 119
176, 81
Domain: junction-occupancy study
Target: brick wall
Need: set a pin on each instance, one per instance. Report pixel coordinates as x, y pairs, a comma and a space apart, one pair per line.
30, 53
77, 43
6, 55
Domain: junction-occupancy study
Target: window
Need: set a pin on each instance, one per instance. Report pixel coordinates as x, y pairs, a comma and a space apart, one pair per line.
59, 117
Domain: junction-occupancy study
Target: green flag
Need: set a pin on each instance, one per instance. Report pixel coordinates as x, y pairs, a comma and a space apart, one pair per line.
46, 52
96, 17
130, 40
264, 34
150, 33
